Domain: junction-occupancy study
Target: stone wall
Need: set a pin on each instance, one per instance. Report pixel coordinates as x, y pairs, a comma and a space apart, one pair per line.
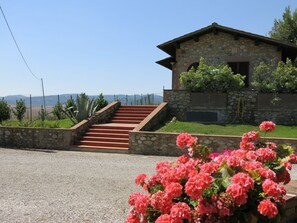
221, 49
163, 144
36, 138
178, 102
242, 106
50, 138
280, 108
154, 119
247, 106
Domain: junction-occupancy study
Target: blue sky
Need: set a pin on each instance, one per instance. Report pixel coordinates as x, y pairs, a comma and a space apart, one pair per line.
110, 46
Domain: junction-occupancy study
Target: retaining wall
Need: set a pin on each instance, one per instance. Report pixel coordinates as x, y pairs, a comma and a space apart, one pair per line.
246, 106
163, 144
52, 138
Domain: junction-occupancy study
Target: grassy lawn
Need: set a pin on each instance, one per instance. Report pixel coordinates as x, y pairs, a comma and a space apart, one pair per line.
228, 129
64, 123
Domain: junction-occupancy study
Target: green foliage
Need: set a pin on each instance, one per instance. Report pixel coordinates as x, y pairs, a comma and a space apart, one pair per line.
262, 77
81, 108
58, 111
208, 78
20, 109
100, 102
42, 114
63, 123
283, 79
4, 110
285, 29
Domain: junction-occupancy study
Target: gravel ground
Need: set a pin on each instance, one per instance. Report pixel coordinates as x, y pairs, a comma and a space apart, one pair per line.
65, 186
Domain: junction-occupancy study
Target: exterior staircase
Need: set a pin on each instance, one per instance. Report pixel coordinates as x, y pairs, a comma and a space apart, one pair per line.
114, 135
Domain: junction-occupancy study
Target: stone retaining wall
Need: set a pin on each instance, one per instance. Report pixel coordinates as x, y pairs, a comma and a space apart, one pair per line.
52, 138
163, 144
36, 138
246, 106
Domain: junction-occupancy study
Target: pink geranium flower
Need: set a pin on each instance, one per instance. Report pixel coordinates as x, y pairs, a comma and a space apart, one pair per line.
267, 208
267, 126
206, 187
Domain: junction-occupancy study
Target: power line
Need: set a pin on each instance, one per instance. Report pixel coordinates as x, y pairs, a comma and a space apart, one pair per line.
18, 45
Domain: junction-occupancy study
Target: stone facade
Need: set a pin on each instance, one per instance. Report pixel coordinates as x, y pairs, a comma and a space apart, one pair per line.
164, 144
178, 102
241, 106
222, 48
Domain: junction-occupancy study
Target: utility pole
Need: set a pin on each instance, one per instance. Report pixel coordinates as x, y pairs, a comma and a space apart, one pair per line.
43, 95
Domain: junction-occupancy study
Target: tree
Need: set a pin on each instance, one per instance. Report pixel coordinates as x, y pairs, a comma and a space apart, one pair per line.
100, 102
286, 29
20, 109
4, 110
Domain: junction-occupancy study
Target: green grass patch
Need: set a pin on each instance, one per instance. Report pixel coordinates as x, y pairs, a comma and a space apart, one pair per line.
227, 129
63, 123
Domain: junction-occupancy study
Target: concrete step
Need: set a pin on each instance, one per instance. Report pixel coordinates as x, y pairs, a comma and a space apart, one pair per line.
115, 131
104, 144
126, 121
105, 149
106, 134
130, 115
105, 139
102, 126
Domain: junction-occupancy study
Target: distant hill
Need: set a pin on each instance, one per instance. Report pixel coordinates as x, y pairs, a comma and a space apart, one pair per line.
51, 100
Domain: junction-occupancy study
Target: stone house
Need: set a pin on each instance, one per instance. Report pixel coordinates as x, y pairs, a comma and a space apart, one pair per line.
223, 45
242, 51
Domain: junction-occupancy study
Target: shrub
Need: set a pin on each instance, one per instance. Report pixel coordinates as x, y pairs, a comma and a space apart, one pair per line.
20, 109
4, 110
58, 111
263, 79
208, 78
283, 79
243, 185
80, 109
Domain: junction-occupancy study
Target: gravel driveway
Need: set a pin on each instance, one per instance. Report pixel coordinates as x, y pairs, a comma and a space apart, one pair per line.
64, 186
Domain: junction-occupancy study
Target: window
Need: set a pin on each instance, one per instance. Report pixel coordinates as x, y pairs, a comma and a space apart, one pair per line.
195, 65
241, 68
